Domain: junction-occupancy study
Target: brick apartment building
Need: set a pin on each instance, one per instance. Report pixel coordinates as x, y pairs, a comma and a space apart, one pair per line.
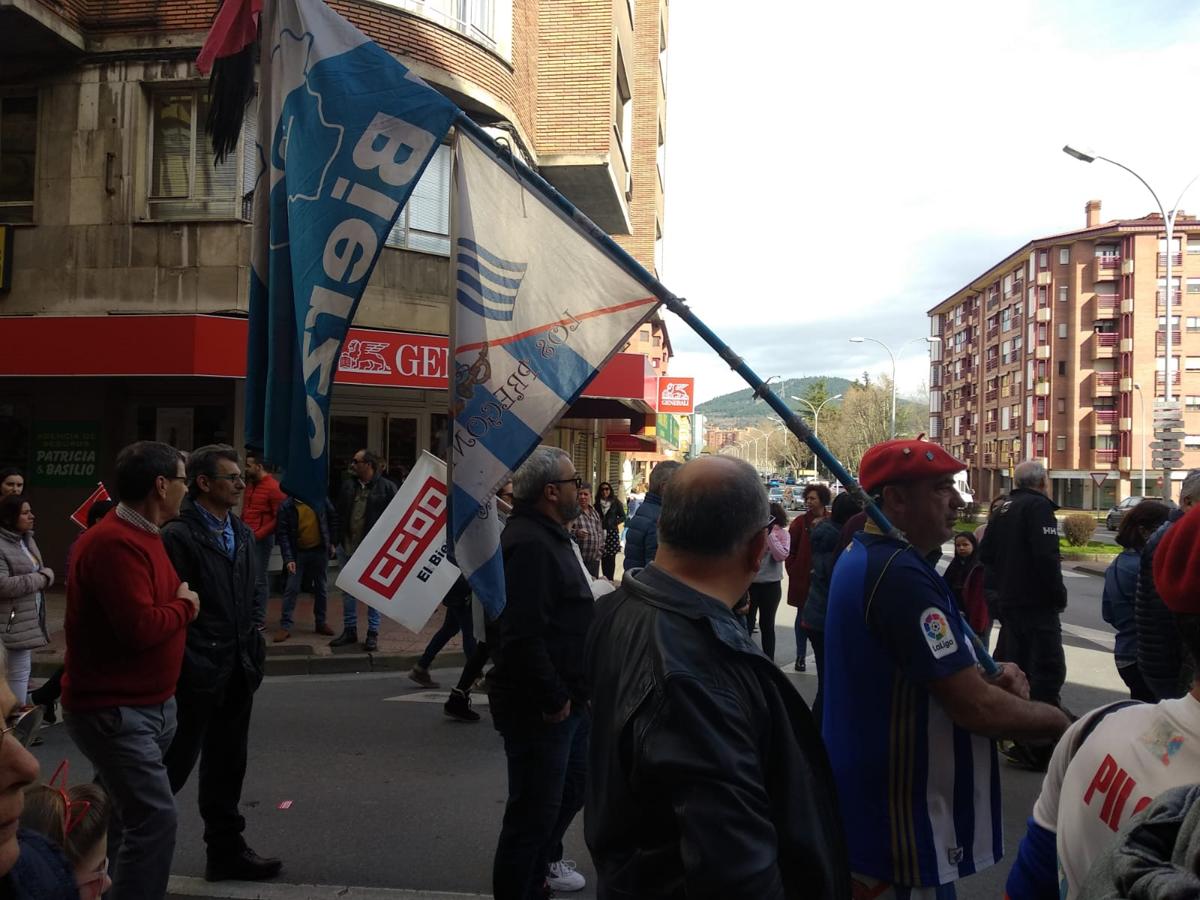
125, 313
1052, 352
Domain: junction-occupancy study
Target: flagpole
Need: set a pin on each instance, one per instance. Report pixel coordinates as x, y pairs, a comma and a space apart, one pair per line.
676, 305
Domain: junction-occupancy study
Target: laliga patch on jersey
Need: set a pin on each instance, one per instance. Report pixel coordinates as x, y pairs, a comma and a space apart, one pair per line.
938, 635
1163, 742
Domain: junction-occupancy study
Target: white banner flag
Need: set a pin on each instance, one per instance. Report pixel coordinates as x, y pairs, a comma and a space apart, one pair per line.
401, 567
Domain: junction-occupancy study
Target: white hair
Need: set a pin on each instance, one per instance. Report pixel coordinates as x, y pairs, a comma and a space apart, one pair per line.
536, 472
1029, 474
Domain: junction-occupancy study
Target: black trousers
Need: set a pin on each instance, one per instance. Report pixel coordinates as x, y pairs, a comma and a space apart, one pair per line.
764, 600
215, 728
1032, 638
1138, 689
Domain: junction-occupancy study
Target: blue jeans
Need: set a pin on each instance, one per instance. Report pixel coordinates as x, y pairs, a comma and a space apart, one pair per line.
457, 618
547, 768
126, 746
316, 563
350, 605
262, 550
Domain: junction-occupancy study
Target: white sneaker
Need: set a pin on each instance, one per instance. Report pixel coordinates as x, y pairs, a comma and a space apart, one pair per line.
563, 876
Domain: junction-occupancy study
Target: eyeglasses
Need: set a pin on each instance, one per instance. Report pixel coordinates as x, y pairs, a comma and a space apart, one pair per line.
75, 809
24, 726
505, 495
577, 481
232, 479
175, 477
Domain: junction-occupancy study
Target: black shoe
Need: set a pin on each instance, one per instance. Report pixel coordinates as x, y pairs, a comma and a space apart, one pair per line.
245, 866
800, 666
346, 638
49, 716
459, 707
371, 644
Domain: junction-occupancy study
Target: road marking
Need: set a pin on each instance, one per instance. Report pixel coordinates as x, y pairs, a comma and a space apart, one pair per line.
1105, 639
438, 696
184, 886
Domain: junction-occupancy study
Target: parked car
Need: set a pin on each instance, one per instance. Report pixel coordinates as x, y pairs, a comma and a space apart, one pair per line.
1113, 520
775, 495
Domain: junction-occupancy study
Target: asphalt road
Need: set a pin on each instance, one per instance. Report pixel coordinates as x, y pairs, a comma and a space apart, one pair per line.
367, 792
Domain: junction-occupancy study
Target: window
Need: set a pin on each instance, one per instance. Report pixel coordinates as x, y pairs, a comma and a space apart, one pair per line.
1043, 259
1060, 405
18, 157
623, 113
1193, 285
1063, 293
185, 181
424, 223
1191, 441
1004, 418
1062, 330
1193, 245
1064, 255
1107, 251
1192, 403
1193, 323
474, 18
1060, 442
1192, 363
1062, 367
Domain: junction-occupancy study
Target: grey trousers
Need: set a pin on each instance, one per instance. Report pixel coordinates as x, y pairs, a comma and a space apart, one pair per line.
126, 745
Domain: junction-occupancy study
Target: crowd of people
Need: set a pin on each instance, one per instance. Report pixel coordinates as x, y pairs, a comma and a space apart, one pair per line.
644, 702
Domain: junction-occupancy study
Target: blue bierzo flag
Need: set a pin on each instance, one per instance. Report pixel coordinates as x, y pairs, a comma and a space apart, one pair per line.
345, 132
540, 306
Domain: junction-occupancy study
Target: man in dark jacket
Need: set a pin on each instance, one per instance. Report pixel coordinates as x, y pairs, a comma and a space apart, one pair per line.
213, 550
708, 776
1021, 546
305, 538
537, 691
641, 530
362, 499
1161, 660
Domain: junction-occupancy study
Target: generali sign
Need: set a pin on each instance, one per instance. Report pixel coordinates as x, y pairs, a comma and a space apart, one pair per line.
675, 395
394, 359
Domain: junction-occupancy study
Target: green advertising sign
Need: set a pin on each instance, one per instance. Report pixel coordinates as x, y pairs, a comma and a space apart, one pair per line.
66, 454
668, 429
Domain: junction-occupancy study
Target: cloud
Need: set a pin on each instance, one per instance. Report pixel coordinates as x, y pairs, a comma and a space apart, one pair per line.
833, 170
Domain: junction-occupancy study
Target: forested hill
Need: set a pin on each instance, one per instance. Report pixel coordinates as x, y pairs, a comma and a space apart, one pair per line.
741, 408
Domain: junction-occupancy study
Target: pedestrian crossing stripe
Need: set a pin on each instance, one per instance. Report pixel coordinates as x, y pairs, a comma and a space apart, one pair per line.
477, 699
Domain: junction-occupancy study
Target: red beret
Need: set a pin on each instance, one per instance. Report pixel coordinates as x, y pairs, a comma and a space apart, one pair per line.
1177, 564
905, 459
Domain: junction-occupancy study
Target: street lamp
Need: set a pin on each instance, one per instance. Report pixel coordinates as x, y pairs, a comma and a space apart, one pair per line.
892, 356
1142, 403
1169, 221
816, 411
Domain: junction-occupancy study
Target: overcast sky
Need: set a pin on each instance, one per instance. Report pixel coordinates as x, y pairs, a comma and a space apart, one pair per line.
838, 169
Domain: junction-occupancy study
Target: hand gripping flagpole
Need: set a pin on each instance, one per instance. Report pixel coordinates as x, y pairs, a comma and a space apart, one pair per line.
794, 423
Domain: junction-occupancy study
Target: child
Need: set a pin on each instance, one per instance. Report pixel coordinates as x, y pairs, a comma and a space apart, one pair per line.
76, 818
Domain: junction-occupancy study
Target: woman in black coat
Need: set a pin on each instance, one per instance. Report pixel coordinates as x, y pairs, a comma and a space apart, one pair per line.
612, 514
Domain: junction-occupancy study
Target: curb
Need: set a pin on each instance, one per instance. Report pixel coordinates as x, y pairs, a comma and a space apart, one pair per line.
312, 664
183, 886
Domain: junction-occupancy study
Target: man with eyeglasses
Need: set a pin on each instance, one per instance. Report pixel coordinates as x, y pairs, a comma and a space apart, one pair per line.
361, 501
537, 693
126, 624
213, 550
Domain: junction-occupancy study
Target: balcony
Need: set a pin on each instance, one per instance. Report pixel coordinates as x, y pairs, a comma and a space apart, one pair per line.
1042, 315
1104, 384
1108, 306
1160, 341
989, 396
1105, 416
1041, 426
1176, 260
1125, 385
992, 363
1043, 278
1124, 463
1125, 423
1105, 457
989, 427
1160, 381
992, 333
1107, 267
1104, 344
1160, 302
1042, 389
1126, 345
36, 38
1041, 352
989, 459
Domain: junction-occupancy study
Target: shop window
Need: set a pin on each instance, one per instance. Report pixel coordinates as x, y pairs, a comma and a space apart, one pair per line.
185, 181
424, 223
18, 158
439, 435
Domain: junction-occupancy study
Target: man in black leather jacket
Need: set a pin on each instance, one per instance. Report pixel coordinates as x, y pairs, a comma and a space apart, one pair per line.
1021, 546
708, 777
213, 550
1168, 668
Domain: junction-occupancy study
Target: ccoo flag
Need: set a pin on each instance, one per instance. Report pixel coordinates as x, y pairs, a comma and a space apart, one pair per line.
540, 307
347, 133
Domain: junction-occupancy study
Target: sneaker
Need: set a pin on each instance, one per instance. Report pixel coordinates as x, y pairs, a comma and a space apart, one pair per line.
346, 638
459, 707
281, 635
371, 644
421, 676
322, 628
563, 876
245, 866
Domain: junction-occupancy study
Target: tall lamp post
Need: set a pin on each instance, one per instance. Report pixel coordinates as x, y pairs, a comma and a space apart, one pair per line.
1145, 437
1169, 221
892, 356
816, 411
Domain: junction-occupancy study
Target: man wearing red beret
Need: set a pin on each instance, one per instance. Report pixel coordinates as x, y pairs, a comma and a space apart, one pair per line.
1115, 760
908, 716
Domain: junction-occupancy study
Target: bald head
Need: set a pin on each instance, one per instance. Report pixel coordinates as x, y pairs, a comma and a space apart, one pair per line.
712, 506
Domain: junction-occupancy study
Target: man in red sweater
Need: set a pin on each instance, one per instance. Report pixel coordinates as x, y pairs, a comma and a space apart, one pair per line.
126, 621
260, 508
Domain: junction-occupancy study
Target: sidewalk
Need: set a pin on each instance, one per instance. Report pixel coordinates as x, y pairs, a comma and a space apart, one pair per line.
305, 653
